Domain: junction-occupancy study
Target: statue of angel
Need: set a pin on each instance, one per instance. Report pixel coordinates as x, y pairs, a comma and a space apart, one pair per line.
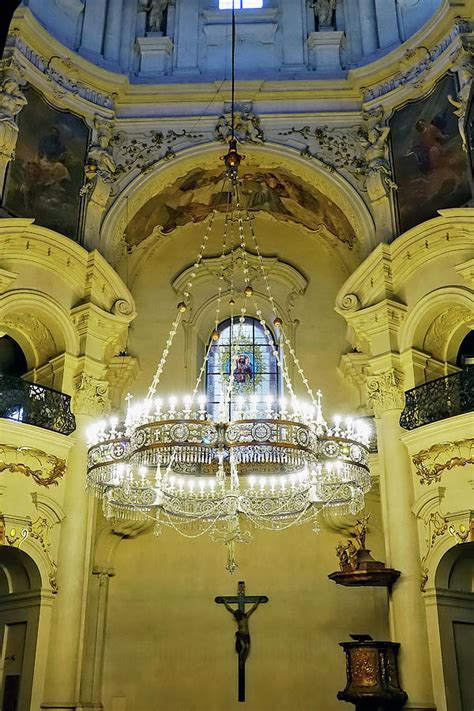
155, 12
324, 12
12, 99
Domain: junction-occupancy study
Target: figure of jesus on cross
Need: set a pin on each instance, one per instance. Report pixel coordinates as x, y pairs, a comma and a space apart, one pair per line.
242, 636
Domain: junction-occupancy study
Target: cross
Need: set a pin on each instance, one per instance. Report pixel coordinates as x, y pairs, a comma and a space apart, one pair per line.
242, 636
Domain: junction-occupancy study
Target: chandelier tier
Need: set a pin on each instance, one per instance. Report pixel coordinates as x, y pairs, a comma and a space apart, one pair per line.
201, 466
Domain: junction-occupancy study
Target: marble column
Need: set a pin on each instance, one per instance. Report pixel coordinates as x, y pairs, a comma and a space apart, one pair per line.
91, 679
407, 610
63, 672
368, 26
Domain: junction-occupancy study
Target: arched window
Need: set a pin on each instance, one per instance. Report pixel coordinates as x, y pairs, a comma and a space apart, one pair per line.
243, 361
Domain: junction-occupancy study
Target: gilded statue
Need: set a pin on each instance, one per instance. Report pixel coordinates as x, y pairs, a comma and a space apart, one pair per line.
360, 531
348, 554
324, 12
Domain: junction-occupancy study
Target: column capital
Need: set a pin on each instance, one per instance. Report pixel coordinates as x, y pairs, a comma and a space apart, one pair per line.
385, 391
91, 396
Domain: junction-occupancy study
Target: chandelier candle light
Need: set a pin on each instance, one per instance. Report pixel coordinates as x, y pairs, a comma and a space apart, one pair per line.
203, 467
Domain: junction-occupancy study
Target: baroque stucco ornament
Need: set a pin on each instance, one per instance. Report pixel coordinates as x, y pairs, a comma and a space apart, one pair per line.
432, 463
100, 165
416, 64
12, 100
91, 396
385, 392
45, 469
247, 127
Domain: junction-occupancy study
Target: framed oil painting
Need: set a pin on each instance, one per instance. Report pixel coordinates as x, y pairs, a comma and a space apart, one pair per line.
429, 163
44, 179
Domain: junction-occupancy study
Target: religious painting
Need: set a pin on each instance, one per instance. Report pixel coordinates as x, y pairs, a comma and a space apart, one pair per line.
429, 162
241, 363
44, 179
284, 196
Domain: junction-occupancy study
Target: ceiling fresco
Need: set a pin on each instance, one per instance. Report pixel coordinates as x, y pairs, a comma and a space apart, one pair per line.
283, 196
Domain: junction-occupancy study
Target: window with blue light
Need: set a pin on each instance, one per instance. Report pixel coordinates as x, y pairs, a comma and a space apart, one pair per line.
243, 360
240, 4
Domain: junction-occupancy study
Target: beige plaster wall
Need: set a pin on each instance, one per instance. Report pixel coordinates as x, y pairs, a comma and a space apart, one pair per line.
168, 645
320, 334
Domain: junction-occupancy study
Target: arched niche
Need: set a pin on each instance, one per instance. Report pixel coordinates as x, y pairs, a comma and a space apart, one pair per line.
21, 603
454, 580
438, 323
39, 324
270, 159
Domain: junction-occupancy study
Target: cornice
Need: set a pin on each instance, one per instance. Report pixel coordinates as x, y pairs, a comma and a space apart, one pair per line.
389, 266
454, 428
88, 273
93, 87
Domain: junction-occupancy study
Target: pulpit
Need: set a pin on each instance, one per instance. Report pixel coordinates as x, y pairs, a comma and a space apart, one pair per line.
372, 675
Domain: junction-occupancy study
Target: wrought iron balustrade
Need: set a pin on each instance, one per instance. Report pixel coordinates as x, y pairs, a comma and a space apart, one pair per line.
439, 399
36, 405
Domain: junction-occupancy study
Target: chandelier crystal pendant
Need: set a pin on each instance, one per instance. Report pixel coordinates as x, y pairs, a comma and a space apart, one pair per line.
246, 461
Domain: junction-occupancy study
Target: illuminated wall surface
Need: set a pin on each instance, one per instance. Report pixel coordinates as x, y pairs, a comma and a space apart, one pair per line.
355, 126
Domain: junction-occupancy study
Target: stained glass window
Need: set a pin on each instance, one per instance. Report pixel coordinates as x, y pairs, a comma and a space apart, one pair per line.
241, 359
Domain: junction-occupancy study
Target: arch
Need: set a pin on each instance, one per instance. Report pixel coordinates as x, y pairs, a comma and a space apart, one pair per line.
438, 322
40, 325
448, 570
20, 572
272, 156
23, 627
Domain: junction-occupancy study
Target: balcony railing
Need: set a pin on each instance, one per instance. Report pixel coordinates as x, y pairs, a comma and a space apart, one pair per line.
36, 405
439, 399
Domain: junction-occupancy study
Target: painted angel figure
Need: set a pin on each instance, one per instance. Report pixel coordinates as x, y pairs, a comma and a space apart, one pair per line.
324, 12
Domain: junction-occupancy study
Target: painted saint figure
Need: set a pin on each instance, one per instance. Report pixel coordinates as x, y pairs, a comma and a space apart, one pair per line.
243, 370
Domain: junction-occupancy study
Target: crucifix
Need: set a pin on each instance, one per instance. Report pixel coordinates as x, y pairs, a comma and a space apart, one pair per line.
242, 636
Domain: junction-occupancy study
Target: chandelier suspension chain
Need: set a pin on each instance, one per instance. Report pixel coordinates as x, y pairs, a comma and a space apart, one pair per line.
258, 311
219, 300
272, 468
272, 301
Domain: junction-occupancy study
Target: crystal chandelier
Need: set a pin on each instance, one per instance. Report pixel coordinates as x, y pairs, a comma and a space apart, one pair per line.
202, 467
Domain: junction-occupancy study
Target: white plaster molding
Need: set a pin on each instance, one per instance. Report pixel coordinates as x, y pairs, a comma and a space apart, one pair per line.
48, 507
466, 270
386, 271
433, 321
6, 279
